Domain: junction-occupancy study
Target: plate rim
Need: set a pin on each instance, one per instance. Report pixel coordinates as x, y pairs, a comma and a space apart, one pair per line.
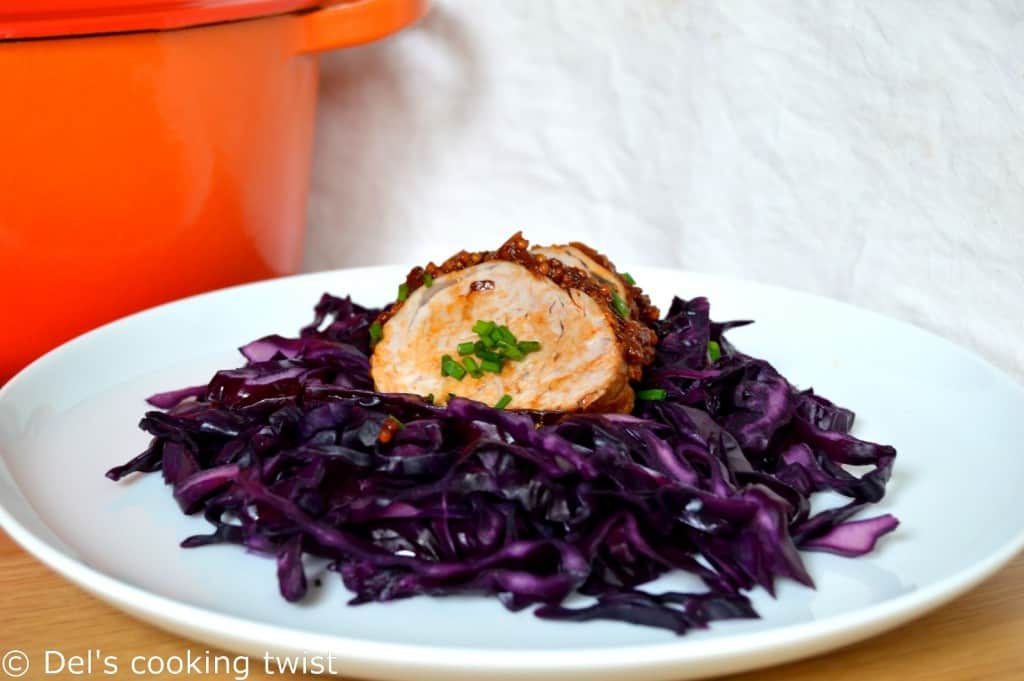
782, 643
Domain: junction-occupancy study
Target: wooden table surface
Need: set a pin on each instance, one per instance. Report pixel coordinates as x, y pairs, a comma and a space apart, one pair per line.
978, 637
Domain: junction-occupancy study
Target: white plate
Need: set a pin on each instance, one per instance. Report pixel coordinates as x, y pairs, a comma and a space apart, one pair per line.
70, 416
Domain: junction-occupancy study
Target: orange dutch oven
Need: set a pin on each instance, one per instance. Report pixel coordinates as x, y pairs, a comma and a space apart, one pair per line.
155, 149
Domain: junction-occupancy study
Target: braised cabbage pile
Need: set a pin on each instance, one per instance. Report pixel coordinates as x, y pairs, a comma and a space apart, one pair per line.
294, 453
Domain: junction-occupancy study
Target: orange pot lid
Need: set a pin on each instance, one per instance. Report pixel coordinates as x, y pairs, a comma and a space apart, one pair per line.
48, 18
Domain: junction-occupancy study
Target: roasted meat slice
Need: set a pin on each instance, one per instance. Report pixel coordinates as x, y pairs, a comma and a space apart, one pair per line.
578, 255
585, 337
603, 274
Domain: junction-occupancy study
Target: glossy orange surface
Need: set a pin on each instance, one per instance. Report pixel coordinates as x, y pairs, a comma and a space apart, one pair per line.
142, 167
48, 18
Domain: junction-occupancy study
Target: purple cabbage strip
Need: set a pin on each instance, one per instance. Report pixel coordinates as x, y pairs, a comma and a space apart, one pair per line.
853, 538
282, 456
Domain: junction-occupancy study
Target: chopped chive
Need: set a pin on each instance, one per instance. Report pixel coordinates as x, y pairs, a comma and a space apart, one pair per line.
497, 344
503, 402
428, 279
628, 278
403, 292
489, 356
714, 351
652, 394
472, 367
449, 367
620, 305
512, 352
376, 333
429, 398
396, 422
483, 328
503, 334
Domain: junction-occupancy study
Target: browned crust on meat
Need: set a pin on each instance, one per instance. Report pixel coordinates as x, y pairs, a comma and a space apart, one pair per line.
648, 312
634, 334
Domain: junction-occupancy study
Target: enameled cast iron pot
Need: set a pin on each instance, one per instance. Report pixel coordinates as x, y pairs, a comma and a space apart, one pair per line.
155, 149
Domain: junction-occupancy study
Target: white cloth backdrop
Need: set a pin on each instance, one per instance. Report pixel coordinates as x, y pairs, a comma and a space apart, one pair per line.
868, 151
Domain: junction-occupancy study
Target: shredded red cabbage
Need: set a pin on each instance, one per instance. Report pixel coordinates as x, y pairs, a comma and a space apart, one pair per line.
283, 456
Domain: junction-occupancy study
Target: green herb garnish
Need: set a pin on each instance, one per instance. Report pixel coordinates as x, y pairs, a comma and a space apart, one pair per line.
482, 328
497, 345
484, 353
503, 402
449, 367
376, 333
714, 351
651, 394
512, 352
493, 367
504, 335
628, 278
428, 279
472, 367
620, 305
403, 292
